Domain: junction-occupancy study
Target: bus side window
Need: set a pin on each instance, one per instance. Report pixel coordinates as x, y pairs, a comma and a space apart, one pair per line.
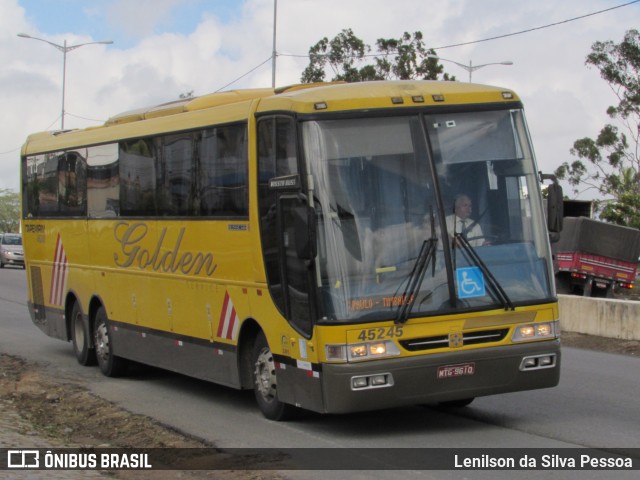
32, 184
175, 175
224, 172
137, 172
56, 185
46, 180
103, 181
72, 183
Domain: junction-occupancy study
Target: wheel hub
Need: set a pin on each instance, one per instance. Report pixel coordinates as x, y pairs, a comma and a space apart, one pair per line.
265, 375
102, 342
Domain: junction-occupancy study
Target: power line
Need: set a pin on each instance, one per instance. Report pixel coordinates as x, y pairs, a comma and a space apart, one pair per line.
18, 148
51, 125
89, 119
446, 46
244, 75
538, 28
10, 151
491, 38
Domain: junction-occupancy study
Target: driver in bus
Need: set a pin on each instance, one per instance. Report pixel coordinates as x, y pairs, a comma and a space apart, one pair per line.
461, 222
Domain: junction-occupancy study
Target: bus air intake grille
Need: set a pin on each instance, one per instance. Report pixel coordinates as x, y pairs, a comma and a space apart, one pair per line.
38, 294
442, 341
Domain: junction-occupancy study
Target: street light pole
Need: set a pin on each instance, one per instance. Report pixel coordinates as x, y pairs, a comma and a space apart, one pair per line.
64, 48
274, 53
470, 68
64, 80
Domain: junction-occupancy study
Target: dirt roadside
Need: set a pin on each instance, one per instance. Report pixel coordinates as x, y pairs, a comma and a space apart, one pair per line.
65, 414
38, 411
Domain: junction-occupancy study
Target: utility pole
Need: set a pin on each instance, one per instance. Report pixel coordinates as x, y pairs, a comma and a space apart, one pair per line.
274, 53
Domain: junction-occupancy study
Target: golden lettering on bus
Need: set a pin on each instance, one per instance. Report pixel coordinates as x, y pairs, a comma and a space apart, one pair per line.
133, 254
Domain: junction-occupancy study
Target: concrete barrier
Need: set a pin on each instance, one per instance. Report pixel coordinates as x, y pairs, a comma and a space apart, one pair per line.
600, 316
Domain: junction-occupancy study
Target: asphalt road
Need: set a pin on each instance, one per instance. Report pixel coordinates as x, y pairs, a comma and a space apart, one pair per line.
596, 405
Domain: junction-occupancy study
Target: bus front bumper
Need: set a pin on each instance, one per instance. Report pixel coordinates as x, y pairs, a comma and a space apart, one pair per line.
434, 378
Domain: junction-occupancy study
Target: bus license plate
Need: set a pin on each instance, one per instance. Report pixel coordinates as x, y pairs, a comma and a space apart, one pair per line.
449, 371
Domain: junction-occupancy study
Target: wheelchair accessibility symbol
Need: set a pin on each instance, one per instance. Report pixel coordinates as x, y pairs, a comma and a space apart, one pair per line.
470, 282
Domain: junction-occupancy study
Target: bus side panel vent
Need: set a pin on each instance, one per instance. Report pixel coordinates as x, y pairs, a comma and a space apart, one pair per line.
38, 295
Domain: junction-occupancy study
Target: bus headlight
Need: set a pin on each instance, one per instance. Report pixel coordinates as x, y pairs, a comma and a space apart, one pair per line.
378, 348
535, 331
361, 351
371, 350
357, 351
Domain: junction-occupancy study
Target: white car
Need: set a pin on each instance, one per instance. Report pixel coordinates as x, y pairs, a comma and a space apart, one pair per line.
11, 251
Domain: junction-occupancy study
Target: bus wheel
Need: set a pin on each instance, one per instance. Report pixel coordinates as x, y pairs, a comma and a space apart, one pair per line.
264, 382
81, 338
110, 365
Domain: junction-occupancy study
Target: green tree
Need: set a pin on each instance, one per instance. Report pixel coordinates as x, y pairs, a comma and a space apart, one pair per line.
396, 59
610, 163
9, 211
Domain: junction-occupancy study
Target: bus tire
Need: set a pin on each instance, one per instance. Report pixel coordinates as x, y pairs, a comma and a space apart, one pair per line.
81, 338
264, 382
110, 365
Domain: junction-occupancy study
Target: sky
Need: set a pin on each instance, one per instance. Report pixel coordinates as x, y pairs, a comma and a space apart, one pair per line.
164, 48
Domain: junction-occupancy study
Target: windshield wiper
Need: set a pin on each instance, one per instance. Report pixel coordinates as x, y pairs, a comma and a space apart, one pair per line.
473, 257
426, 256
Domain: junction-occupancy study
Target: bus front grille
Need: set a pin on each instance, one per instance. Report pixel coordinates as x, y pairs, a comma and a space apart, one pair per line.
443, 341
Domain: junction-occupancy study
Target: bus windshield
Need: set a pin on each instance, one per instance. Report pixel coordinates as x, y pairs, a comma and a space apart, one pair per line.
386, 189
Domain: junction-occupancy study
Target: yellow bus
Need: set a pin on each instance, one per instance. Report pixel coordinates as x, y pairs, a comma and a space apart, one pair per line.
307, 242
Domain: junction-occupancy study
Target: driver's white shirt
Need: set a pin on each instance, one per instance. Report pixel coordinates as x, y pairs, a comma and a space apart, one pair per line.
473, 229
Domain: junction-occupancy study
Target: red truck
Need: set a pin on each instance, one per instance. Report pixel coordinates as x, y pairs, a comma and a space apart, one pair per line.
593, 257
